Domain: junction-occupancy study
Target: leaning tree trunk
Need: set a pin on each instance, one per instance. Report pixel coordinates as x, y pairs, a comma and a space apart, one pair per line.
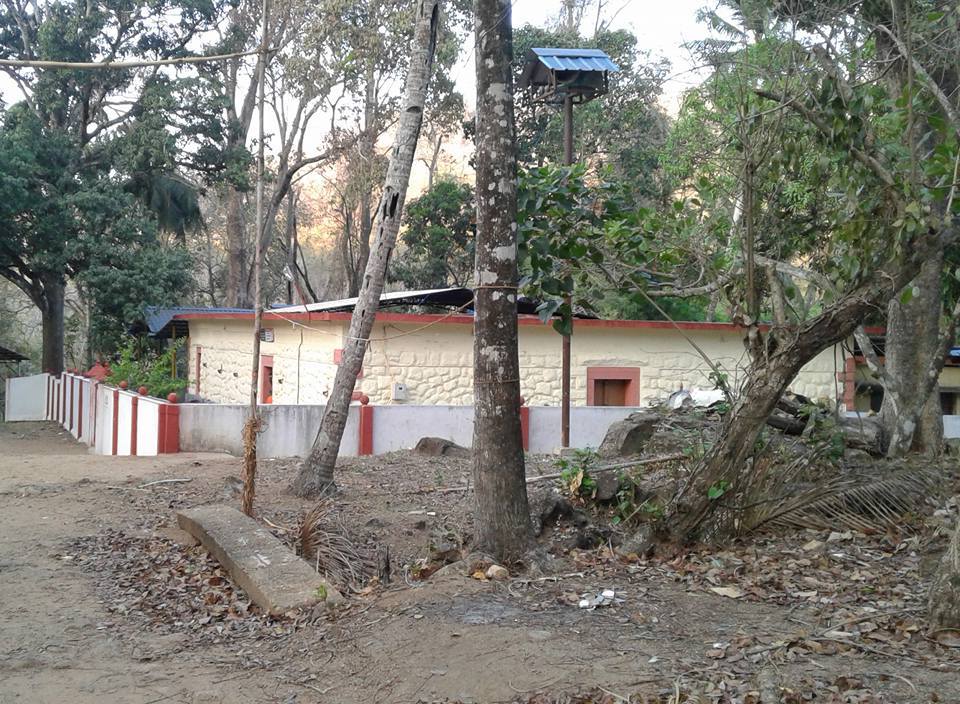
54, 290
774, 368
911, 416
316, 473
502, 513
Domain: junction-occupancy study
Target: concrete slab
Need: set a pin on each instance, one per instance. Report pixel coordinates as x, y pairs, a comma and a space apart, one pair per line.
275, 578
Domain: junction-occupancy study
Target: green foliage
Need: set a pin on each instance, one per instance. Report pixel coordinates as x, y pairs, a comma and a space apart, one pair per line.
139, 365
718, 489
585, 235
575, 472
439, 238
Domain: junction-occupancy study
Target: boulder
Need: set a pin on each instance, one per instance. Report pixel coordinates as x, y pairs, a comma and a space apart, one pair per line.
608, 485
630, 435
863, 433
440, 447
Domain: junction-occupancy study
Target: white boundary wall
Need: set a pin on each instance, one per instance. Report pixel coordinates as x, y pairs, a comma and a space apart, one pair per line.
94, 413
26, 398
109, 420
288, 431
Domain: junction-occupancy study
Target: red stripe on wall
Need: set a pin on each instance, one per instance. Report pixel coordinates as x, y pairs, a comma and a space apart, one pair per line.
116, 418
133, 425
168, 430
366, 431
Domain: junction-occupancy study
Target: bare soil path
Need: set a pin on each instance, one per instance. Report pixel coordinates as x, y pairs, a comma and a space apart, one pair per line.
101, 603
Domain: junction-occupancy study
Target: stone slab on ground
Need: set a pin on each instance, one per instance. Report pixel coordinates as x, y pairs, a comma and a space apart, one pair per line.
275, 578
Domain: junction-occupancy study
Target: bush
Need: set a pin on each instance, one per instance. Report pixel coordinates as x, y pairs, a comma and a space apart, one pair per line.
141, 366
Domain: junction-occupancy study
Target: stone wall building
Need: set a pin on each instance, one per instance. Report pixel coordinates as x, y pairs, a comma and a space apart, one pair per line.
427, 359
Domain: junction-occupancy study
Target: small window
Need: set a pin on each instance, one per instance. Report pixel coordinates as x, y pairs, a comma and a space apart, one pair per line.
613, 386
948, 402
610, 392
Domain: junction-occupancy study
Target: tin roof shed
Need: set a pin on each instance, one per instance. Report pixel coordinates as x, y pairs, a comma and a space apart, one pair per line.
556, 73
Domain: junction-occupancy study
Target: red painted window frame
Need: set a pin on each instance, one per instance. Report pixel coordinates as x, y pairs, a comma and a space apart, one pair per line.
266, 360
629, 374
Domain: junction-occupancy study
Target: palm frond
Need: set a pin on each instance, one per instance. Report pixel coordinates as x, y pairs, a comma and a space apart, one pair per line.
862, 502
323, 540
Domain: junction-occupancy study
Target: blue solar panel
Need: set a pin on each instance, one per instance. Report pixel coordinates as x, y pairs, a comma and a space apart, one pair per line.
575, 59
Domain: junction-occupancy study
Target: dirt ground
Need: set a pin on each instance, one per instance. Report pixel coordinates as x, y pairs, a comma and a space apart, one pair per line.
102, 602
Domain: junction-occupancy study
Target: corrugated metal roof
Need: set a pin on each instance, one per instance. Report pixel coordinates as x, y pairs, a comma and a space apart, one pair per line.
10, 356
160, 322
558, 59
435, 296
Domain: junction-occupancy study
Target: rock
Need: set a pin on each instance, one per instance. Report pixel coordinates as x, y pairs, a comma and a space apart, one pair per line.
608, 485
497, 572
863, 433
439, 447
853, 455
813, 545
641, 542
232, 488
546, 507
630, 435
456, 569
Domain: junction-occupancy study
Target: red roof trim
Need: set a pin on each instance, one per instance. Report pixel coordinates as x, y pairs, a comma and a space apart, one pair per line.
459, 319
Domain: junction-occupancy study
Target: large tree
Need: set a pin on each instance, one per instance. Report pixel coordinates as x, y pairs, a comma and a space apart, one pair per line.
89, 170
502, 514
62, 219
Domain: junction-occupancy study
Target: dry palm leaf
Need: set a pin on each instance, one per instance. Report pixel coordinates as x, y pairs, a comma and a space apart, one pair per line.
862, 502
323, 540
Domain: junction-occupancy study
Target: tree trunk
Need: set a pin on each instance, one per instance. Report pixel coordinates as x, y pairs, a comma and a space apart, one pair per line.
912, 422
728, 458
236, 294
944, 597
316, 473
785, 352
502, 514
54, 290
367, 150
290, 225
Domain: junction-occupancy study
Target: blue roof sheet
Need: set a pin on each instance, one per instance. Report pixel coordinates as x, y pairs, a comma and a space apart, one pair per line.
156, 319
574, 59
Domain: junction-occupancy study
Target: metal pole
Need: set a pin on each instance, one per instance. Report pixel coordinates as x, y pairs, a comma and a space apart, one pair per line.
565, 350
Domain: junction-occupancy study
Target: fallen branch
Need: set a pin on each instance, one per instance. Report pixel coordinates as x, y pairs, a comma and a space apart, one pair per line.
557, 475
164, 481
612, 467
